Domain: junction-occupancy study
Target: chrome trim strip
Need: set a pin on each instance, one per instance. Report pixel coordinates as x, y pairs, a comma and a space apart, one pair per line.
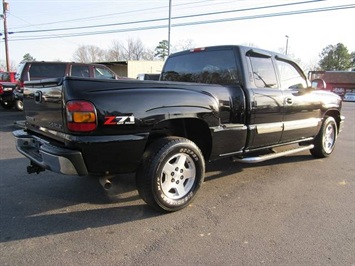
286, 126
269, 128
299, 124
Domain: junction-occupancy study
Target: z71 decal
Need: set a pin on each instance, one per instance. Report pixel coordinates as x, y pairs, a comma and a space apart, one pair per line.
119, 120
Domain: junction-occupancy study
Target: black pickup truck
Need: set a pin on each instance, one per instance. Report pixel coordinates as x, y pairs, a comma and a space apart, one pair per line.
210, 103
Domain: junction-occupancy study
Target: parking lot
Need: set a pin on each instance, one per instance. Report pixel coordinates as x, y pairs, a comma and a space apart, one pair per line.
294, 210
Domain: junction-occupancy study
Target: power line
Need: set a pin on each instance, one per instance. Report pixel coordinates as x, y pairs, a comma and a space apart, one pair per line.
286, 13
175, 18
111, 14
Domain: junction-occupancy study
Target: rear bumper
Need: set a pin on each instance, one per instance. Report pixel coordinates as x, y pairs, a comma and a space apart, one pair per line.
56, 159
7, 96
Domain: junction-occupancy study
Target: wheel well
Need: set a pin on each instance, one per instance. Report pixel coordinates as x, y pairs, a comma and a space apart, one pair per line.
193, 129
336, 115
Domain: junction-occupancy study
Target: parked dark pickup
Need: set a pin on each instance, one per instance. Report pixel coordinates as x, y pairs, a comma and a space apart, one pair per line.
165, 131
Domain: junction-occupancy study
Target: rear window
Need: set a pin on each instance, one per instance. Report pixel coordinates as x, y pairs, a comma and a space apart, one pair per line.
4, 76
43, 70
214, 67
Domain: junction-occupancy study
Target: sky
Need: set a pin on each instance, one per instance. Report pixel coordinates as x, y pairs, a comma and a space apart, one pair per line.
53, 30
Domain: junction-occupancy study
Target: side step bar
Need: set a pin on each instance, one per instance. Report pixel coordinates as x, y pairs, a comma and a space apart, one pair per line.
262, 158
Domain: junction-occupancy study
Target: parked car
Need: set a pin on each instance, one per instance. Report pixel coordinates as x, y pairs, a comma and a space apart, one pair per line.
6, 94
7, 85
38, 70
148, 76
349, 97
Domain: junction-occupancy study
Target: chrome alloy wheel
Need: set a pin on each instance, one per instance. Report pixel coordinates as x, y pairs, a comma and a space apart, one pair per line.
178, 176
329, 138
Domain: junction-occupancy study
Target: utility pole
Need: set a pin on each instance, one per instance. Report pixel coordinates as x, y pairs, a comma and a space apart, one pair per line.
286, 44
5, 8
169, 27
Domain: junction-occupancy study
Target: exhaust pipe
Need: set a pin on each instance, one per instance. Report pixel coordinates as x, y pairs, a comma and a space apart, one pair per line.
106, 183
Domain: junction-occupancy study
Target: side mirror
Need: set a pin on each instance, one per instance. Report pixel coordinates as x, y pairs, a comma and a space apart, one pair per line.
319, 84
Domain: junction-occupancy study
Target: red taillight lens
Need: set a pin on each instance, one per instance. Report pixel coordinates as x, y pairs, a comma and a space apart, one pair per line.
81, 116
1, 89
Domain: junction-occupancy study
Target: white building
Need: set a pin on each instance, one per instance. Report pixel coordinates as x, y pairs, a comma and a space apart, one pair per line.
131, 69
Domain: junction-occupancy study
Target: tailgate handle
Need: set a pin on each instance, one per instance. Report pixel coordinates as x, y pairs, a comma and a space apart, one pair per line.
288, 101
38, 96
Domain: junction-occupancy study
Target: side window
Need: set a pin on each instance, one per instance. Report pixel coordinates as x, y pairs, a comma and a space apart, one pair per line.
80, 71
290, 77
263, 72
5, 76
46, 70
103, 73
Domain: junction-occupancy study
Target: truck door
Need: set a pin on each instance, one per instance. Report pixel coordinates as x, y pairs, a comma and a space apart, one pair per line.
302, 109
266, 101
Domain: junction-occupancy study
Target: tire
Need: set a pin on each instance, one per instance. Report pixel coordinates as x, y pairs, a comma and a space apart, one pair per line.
7, 105
171, 173
19, 105
324, 142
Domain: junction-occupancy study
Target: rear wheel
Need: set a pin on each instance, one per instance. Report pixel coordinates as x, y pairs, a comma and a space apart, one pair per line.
171, 173
324, 142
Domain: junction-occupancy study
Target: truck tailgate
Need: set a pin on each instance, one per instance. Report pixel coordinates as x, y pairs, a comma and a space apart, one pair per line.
43, 105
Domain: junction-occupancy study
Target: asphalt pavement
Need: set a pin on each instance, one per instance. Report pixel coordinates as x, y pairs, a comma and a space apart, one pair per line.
294, 210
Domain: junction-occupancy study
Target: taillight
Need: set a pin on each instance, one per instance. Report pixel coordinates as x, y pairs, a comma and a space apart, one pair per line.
1, 89
81, 116
22, 85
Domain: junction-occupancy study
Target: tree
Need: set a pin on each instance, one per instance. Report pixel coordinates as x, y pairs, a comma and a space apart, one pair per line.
29, 58
132, 49
183, 45
89, 54
115, 52
353, 60
161, 51
336, 58
135, 50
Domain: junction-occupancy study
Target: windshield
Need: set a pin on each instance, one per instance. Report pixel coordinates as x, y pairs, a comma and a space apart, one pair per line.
215, 67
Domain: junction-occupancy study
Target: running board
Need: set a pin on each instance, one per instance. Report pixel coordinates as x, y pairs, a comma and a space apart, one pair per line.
262, 158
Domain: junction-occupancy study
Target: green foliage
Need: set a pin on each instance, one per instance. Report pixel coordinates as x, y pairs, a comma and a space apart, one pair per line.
352, 55
27, 57
161, 50
336, 58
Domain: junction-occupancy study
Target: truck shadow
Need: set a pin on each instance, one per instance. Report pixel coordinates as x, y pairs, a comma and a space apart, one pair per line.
226, 167
46, 204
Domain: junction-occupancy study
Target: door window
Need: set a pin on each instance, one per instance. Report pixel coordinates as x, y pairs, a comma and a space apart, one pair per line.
103, 73
263, 72
290, 77
80, 71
